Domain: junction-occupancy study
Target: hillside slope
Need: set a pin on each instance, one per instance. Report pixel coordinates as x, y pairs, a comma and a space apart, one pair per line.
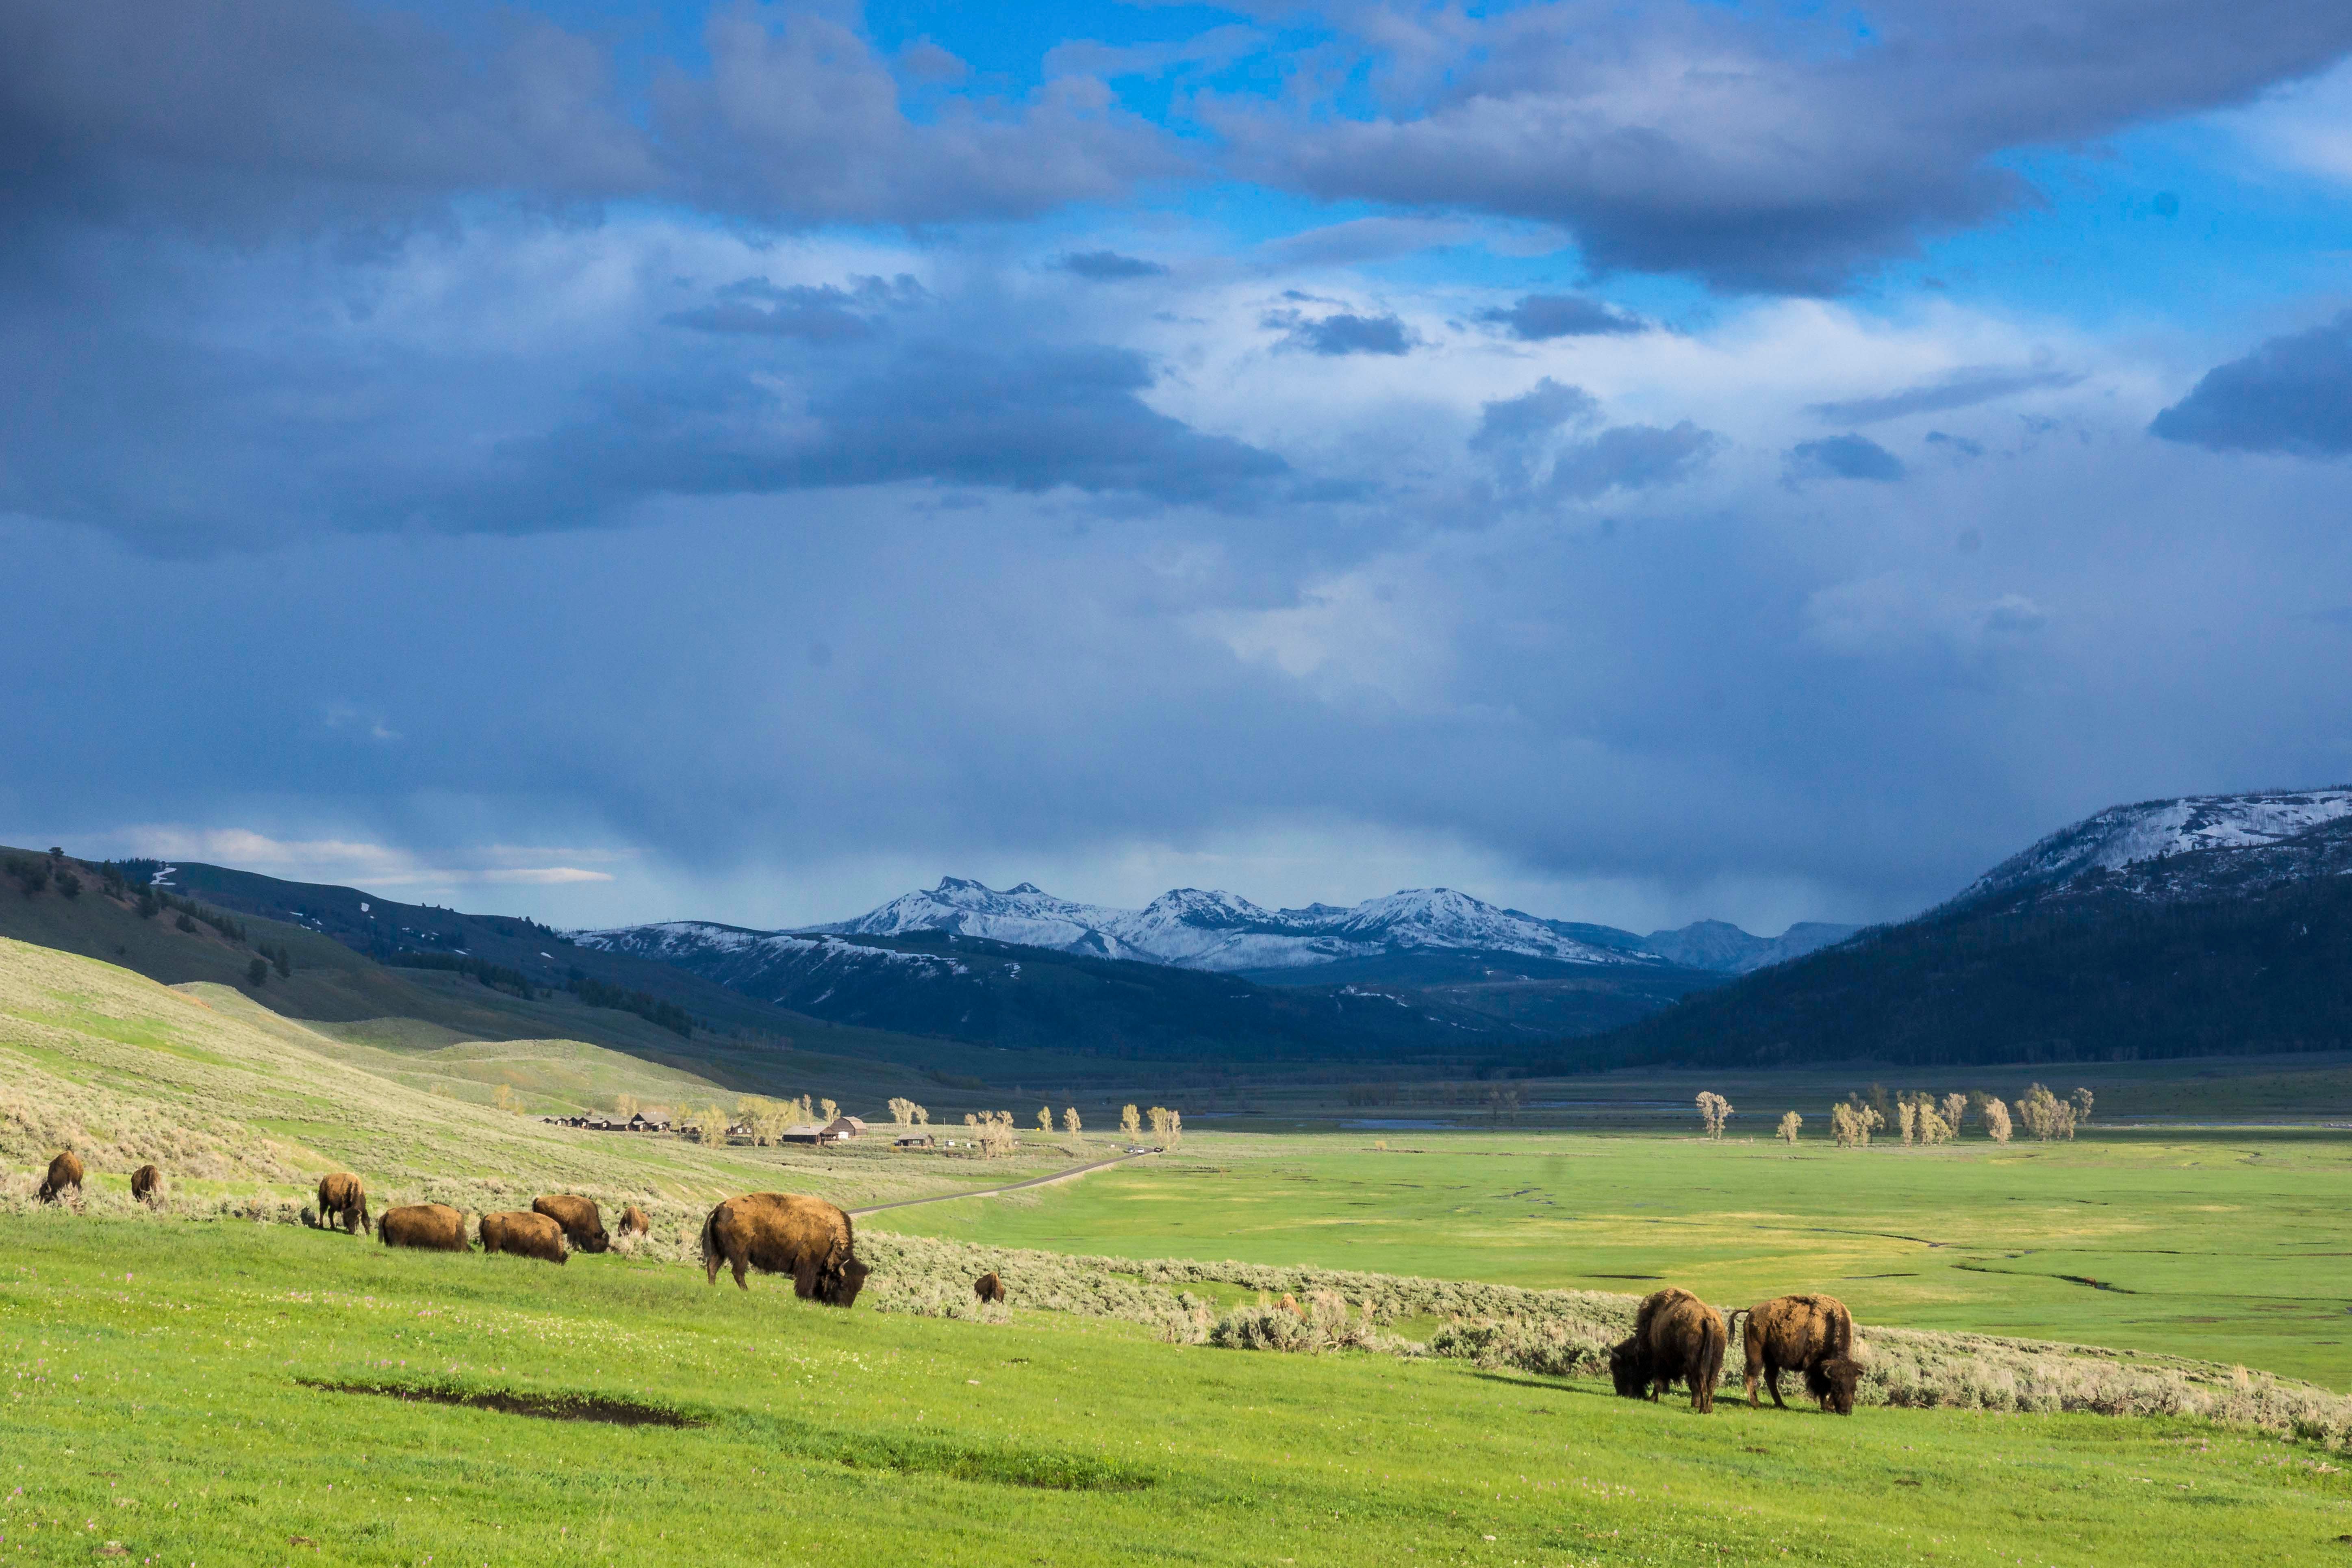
2219, 925
332, 983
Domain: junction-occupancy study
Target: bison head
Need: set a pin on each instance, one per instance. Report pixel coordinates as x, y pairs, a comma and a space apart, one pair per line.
1627, 1371
1833, 1383
839, 1288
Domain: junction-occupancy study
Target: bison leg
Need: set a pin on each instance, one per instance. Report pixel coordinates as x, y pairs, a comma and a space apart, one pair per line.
805, 1280
1773, 1381
738, 1263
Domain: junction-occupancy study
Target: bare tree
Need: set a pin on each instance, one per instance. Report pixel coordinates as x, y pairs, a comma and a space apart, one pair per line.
1996, 1121
1127, 1125
1789, 1123
1933, 1129
1955, 1107
1070, 1123
2082, 1098
1158, 1116
1853, 1124
626, 1106
1906, 1114
902, 1111
1175, 1128
1045, 1118
832, 1112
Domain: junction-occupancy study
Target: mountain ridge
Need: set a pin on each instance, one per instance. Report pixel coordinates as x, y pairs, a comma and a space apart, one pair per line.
1222, 933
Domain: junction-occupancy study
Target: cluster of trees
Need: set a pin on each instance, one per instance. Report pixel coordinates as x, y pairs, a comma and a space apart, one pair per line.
1923, 1118
992, 1131
643, 1003
905, 1112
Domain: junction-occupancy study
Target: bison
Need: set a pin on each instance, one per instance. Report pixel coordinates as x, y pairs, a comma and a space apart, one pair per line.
583, 1222
784, 1233
343, 1196
633, 1222
435, 1226
988, 1287
524, 1234
1812, 1335
147, 1185
1676, 1337
65, 1170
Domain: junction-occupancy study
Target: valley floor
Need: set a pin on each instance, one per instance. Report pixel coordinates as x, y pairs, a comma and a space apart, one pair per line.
164, 1402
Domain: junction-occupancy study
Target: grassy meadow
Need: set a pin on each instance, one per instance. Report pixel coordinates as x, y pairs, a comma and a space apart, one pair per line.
165, 1395
2220, 1248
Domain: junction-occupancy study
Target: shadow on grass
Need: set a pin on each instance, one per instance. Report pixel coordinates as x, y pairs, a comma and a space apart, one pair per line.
1046, 1469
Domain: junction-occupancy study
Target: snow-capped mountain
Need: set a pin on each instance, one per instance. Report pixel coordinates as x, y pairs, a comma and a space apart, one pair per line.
2196, 845
1192, 929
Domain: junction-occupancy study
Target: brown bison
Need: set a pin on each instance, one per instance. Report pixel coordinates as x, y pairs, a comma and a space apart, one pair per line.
988, 1287
524, 1234
435, 1226
147, 1184
1812, 1335
784, 1233
65, 1170
633, 1222
583, 1222
1676, 1337
343, 1196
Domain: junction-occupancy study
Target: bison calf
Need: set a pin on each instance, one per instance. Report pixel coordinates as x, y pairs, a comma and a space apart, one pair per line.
1676, 1338
524, 1234
784, 1233
343, 1196
988, 1287
147, 1185
633, 1222
65, 1170
435, 1226
1811, 1335
583, 1223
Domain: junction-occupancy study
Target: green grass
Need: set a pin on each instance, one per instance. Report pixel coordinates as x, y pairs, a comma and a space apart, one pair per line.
161, 1394
2223, 1248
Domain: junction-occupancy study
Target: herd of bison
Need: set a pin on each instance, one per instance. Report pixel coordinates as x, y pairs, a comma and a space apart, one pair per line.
1676, 1338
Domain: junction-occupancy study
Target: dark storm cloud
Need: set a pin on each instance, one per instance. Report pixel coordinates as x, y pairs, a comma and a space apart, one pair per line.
1777, 153
801, 120
1110, 266
2291, 394
239, 113
1538, 318
1029, 420
294, 113
1845, 458
1957, 389
1344, 333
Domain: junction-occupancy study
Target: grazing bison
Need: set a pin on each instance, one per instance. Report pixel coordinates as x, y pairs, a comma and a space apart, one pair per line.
343, 1196
1676, 1337
147, 1184
65, 1170
583, 1222
524, 1234
988, 1287
434, 1225
1812, 1335
784, 1233
633, 1222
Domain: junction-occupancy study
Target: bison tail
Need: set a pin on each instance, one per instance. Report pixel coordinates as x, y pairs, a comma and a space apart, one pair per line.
1711, 1356
711, 1257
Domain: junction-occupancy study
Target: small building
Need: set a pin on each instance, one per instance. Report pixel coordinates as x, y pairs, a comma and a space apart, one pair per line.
917, 1140
808, 1132
845, 1127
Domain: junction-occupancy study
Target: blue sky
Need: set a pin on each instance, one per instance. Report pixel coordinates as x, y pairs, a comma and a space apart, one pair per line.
1632, 462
